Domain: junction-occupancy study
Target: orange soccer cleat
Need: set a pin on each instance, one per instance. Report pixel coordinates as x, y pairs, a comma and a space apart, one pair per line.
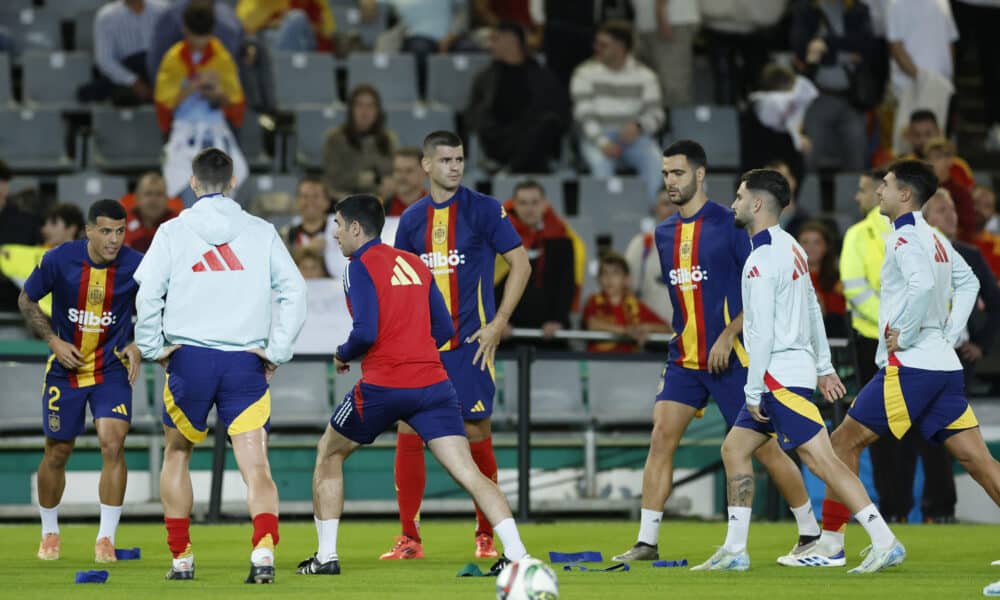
48, 549
104, 551
484, 546
405, 548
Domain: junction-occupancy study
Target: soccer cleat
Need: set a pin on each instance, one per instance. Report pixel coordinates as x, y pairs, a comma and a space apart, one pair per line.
48, 548
312, 566
181, 570
405, 548
724, 560
104, 551
813, 554
641, 551
996, 563
992, 589
485, 547
260, 574
876, 560
498, 566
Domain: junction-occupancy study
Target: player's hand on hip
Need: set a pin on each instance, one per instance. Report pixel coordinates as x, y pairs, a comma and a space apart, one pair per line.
164, 358
340, 365
134, 362
757, 413
831, 387
269, 367
718, 356
67, 354
488, 338
892, 340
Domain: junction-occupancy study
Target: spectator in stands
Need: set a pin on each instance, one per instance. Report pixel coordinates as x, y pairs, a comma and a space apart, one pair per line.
570, 28
64, 223
516, 106
432, 26
17, 226
615, 309
771, 126
357, 154
666, 42
313, 206
310, 262
198, 97
644, 261
548, 298
921, 36
618, 107
820, 246
129, 200
985, 201
170, 30
833, 41
735, 34
301, 25
941, 154
490, 13
123, 30
149, 213
408, 181
793, 217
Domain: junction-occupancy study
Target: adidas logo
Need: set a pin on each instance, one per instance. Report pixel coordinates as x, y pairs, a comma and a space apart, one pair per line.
403, 273
753, 273
733, 518
478, 407
221, 258
872, 518
899, 242
940, 254
120, 410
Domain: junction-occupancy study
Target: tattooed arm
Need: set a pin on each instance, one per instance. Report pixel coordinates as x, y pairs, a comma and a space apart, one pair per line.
67, 354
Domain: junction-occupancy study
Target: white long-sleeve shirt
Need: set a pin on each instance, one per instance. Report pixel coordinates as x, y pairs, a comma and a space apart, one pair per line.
208, 280
119, 33
928, 292
782, 321
604, 99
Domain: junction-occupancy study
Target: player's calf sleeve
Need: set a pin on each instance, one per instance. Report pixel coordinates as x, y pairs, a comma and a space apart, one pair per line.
265, 524
178, 535
411, 478
835, 516
486, 460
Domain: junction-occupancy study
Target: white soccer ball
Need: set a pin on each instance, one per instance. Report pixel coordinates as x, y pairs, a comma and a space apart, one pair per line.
527, 579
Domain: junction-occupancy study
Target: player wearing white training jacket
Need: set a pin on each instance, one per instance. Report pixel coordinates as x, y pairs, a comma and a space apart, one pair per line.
928, 291
789, 355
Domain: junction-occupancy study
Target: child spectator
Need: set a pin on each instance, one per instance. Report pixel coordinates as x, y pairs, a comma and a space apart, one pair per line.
615, 309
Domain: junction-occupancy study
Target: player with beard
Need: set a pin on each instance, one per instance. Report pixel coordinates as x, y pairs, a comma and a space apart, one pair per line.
702, 254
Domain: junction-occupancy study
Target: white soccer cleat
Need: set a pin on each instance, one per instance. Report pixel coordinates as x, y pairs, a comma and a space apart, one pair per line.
813, 554
876, 560
992, 589
996, 563
724, 560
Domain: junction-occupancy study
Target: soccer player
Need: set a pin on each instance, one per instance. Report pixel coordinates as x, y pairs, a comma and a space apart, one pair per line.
204, 312
702, 254
784, 332
458, 233
92, 362
400, 319
920, 382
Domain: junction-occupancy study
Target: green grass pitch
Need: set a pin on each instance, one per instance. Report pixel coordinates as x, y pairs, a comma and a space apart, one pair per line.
944, 561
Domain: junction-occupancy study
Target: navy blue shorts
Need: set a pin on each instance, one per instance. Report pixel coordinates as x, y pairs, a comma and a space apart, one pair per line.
368, 410
475, 387
64, 408
693, 387
795, 419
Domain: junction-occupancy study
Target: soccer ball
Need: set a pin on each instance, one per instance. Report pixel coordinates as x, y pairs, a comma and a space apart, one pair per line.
527, 579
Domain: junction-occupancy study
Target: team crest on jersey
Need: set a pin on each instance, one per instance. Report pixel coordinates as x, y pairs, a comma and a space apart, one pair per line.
440, 233
685, 249
95, 295
54, 423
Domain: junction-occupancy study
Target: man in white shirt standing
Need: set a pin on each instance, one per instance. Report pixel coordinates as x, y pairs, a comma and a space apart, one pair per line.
666, 31
784, 333
928, 291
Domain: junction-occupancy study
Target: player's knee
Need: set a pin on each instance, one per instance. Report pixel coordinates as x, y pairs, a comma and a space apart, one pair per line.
733, 453
664, 439
57, 455
113, 449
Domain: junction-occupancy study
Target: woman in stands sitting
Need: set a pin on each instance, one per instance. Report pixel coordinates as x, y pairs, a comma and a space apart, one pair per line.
358, 154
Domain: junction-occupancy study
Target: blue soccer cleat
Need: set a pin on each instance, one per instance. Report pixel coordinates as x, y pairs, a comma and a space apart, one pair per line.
878, 559
724, 560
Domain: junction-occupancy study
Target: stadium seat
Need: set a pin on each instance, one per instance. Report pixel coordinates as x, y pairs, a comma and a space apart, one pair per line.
504, 408
20, 183
450, 77
83, 31
31, 27
300, 396
252, 192
584, 227
393, 75
600, 198
34, 140
624, 226
716, 128
145, 416
556, 393
6, 91
52, 78
125, 139
413, 123
304, 79
311, 127
68, 10
721, 187
622, 392
810, 196
20, 410
503, 188
348, 19
845, 186
251, 137
83, 189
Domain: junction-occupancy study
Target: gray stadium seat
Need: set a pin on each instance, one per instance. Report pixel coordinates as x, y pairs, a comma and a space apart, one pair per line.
348, 19
19, 183
251, 137
810, 196
600, 198
52, 78
311, 127
624, 226
83, 31
34, 140
67, 10
503, 188
304, 79
83, 189
393, 75
300, 396
845, 186
413, 123
622, 392
556, 393
145, 416
504, 408
21, 405
31, 27
125, 139
585, 228
721, 187
715, 127
6, 91
251, 191
450, 77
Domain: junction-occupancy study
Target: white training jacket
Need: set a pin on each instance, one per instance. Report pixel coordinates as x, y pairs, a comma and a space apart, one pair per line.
928, 292
782, 321
207, 281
